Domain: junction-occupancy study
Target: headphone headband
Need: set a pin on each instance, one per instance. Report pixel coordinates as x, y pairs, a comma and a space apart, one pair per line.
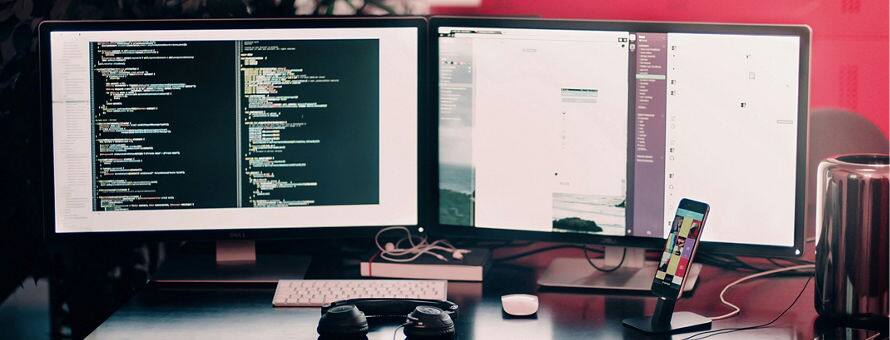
385, 308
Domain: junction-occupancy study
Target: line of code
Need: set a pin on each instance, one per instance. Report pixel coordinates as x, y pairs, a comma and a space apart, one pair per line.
149, 99
310, 122
224, 124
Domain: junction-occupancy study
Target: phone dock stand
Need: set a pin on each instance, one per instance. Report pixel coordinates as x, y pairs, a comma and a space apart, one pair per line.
664, 320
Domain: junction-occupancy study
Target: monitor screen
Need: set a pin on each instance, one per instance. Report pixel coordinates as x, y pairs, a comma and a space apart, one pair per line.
604, 132
194, 129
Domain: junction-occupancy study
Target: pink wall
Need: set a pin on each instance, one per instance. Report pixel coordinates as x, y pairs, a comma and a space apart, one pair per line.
850, 39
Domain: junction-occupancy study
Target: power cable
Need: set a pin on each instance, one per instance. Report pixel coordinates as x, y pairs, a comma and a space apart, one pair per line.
541, 250
763, 325
606, 270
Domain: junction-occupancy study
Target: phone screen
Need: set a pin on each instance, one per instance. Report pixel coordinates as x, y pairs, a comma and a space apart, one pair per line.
682, 242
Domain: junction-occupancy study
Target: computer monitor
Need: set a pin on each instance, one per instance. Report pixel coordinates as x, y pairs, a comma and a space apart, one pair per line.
584, 131
232, 129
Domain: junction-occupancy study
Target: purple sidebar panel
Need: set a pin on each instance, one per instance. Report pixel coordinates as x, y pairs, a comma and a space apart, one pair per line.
649, 134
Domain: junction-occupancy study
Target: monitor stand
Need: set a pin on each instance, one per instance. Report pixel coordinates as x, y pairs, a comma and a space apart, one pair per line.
235, 262
635, 274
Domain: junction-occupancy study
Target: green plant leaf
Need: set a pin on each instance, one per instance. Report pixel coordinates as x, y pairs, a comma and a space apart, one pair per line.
329, 10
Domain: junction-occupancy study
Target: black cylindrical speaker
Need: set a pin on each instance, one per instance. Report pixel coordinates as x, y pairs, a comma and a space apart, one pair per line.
852, 249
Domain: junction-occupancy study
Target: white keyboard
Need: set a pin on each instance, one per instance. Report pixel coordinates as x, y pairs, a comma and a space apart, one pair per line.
315, 293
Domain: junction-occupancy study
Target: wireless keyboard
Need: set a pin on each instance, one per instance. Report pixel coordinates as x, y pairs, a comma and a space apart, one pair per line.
315, 293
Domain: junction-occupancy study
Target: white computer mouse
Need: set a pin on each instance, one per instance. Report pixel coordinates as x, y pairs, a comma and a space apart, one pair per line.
519, 304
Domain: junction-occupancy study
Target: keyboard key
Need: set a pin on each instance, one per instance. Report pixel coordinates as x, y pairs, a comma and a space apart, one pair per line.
314, 293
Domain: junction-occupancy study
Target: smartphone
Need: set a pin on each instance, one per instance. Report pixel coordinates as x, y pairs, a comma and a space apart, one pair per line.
682, 242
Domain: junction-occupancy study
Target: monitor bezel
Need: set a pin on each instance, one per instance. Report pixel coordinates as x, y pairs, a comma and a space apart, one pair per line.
424, 125
801, 31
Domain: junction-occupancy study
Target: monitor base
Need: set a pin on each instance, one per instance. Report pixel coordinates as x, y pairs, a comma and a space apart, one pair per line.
635, 274
235, 262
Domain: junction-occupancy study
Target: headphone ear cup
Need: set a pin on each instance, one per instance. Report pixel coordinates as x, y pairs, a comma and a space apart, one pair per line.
429, 322
343, 322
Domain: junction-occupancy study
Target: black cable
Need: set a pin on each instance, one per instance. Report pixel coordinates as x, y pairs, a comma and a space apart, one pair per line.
736, 264
744, 264
726, 262
491, 245
763, 325
396, 332
511, 244
773, 261
795, 261
606, 270
541, 250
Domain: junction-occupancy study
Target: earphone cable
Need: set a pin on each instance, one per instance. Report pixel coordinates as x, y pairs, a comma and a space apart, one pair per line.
419, 246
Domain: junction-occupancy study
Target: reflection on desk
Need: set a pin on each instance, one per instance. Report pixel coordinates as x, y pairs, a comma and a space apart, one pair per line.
236, 312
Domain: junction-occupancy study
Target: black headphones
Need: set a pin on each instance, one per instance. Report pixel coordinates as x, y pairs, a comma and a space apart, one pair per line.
426, 319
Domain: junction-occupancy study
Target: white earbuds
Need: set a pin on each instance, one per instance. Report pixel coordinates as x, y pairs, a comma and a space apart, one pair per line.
458, 254
393, 252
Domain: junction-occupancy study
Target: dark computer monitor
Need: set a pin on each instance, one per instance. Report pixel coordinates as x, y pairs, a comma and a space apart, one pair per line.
233, 129
586, 131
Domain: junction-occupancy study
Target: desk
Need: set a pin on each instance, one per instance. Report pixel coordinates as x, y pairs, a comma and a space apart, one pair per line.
245, 312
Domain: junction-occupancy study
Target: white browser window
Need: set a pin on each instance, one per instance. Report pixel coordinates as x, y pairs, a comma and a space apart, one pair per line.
732, 133
549, 109
603, 132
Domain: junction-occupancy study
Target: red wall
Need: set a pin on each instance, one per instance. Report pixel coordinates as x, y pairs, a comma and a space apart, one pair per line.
849, 51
